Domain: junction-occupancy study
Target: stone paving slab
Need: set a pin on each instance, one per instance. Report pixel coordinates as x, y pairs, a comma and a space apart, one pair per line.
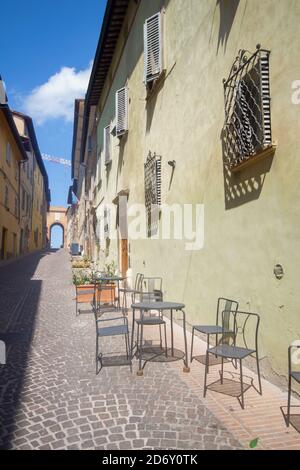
50, 397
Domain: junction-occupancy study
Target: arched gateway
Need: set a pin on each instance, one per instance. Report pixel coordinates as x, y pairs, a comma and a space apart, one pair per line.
57, 216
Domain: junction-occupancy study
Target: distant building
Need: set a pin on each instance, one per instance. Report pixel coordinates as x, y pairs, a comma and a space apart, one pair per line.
12, 154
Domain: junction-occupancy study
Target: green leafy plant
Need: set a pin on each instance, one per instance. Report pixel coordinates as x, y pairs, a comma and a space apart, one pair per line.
111, 269
253, 444
81, 278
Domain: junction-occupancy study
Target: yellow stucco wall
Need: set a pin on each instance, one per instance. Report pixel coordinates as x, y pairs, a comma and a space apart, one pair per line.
259, 227
9, 178
36, 242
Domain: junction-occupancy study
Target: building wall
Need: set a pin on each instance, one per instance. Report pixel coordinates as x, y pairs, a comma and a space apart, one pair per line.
37, 240
26, 190
257, 226
9, 178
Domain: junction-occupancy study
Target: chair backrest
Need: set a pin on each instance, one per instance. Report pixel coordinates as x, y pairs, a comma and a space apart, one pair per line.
105, 294
151, 289
294, 357
240, 329
138, 281
225, 305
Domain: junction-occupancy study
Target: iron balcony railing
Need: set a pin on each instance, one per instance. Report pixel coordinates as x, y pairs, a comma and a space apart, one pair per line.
247, 128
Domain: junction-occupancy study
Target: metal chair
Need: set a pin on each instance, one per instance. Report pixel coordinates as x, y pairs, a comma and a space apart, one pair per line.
135, 290
83, 297
216, 330
292, 375
151, 293
109, 327
234, 325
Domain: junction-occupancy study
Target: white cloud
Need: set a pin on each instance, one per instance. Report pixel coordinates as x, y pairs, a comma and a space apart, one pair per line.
55, 98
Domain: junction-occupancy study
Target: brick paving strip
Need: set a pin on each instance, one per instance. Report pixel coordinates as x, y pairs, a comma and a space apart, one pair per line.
50, 397
262, 416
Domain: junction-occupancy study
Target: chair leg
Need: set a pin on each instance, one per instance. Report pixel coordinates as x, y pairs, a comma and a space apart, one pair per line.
137, 339
160, 337
208, 356
205, 374
192, 345
97, 354
258, 374
242, 387
289, 401
222, 370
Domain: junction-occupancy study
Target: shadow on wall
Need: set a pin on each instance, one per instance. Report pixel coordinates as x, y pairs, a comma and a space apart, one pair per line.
19, 299
228, 9
246, 185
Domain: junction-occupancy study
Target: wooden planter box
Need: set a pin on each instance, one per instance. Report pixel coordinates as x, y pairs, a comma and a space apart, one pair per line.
85, 293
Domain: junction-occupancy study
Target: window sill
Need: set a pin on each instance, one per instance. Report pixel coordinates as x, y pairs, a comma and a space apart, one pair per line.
156, 85
261, 155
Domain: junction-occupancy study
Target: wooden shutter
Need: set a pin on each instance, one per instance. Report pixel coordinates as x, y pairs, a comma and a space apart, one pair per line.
121, 111
153, 48
265, 96
107, 146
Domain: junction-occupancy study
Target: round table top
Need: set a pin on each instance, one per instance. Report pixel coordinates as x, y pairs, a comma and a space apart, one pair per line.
158, 306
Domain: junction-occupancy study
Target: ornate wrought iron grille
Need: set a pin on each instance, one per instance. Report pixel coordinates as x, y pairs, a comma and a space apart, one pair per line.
152, 170
247, 128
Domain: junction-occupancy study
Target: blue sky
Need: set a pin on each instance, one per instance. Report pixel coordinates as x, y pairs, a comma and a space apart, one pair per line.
46, 51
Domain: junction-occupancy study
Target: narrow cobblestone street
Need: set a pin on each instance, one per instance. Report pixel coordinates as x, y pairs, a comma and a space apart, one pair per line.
52, 399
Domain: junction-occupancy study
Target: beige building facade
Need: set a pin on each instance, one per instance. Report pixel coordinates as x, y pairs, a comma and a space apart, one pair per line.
198, 124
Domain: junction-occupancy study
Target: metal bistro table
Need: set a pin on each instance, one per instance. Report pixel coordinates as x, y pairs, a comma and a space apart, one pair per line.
116, 279
144, 307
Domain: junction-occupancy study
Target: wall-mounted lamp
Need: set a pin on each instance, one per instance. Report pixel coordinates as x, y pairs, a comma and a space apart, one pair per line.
278, 271
172, 163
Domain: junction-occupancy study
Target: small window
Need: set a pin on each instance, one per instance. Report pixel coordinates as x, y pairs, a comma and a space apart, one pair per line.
16, 207
8, 153
23, 199
152, 175
90, 144
107, 145
153, 50
121, 111
247, 129
6, 197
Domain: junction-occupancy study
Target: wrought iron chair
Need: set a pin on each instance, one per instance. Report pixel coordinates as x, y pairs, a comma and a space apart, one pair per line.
216, 330
234, 345
135, 290
83, 297
114, 325
292, 375
151, 293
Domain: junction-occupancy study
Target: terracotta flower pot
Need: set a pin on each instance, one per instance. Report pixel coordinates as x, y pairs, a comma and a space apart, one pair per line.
85, 293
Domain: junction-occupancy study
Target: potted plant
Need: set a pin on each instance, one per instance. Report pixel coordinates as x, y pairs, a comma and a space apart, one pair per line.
83, 282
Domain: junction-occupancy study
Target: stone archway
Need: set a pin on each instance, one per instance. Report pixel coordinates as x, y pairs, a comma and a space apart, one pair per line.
57, 216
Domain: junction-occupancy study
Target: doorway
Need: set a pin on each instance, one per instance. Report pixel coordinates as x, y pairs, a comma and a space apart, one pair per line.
3, 243
56, 236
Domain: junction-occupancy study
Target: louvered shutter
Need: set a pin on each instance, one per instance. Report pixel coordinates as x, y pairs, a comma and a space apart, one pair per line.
121, 111
153, 48
265, 96
107, 147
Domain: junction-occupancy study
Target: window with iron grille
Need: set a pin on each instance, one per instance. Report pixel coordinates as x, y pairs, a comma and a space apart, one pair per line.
107, 145
8, 153
121, 111
247, 129
152, 169
153, 48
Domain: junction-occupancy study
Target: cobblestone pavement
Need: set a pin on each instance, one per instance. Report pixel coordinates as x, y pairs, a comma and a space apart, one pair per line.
50, 397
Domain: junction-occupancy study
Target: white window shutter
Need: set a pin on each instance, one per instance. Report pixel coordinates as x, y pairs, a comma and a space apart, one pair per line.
107, 146
265, 96
121, 111
153, 48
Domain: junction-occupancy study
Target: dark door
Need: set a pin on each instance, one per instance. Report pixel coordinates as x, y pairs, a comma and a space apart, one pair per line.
3, 243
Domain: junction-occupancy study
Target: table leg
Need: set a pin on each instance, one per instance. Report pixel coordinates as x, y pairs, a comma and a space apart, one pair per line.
140, 372
172, 335
186, 365
132, 333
